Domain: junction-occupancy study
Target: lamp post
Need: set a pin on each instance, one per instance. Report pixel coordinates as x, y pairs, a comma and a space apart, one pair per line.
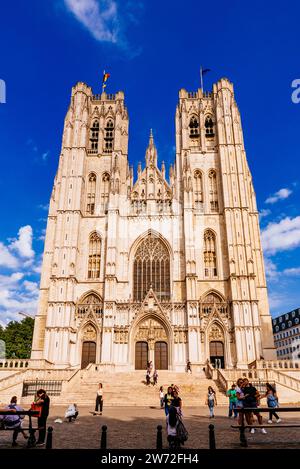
26, 315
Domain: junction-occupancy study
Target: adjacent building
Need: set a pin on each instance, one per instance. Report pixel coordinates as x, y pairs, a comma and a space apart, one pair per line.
286, 331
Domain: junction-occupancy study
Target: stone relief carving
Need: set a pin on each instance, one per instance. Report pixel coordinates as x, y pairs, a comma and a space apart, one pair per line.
216, 333
89, 333
151, 331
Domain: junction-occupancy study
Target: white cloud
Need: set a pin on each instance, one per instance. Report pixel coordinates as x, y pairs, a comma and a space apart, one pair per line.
271, 269
281, 236
279, 195
292, 272
99, 17
45, 155
43, 207
6, 258
264, 213
276, 300
17, 295
23, 245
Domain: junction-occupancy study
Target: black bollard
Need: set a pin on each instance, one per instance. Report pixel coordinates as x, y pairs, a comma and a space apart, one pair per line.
243, 439
159, 437
103, 437
212, 439
49, 438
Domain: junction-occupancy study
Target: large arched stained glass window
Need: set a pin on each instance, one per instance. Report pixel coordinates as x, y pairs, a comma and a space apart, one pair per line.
151, 269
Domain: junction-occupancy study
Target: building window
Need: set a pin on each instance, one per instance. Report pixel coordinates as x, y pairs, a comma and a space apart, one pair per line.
94, 256
198, 190
210, 258
109, 136
151, 269
209, 127
94, 135
194, 127
91, 194
213, 192
105, 192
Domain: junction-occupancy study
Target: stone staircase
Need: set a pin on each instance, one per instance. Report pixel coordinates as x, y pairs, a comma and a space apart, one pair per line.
129, 389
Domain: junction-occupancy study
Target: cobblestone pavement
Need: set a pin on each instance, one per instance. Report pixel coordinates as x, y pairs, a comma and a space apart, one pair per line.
135, 427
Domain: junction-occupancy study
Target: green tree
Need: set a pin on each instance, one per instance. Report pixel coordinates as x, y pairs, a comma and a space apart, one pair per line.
18, 338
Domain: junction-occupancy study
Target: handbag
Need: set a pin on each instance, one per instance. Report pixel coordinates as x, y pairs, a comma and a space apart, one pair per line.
36, 407
182, 433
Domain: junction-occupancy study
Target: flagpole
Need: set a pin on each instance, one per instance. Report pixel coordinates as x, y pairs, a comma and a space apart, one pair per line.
201, 78
103, 81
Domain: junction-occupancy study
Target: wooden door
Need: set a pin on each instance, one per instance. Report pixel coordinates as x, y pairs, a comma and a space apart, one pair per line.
161, 355
141, 355
88, 353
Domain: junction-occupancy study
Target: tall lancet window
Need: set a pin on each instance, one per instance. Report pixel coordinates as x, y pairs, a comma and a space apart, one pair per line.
91, 194
210, 258
94, 135
213, 191
194, 127
151, 269
198, 190
94, 256
105, 192
109, 136
209, 127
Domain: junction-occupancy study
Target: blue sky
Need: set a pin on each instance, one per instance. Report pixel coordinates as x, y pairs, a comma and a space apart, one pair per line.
151, 49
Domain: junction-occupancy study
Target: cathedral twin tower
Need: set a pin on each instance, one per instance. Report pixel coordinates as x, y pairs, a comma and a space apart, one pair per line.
162, 269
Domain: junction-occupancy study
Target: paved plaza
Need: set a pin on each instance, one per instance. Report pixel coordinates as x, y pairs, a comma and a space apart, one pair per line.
135, 427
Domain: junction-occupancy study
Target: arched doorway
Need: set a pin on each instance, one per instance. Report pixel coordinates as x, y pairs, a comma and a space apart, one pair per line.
88, 354
216, 354
141, 355
151, 344
161, 355
89, 345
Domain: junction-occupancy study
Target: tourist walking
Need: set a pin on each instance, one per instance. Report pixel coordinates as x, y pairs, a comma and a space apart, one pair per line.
231, 393
44, 402
168, 399
99, 400
161, 397
240, 399
177, 403
155, 377
272, 402
148, 376
211, 401
188, 367
251, 396
13, 422
71, 413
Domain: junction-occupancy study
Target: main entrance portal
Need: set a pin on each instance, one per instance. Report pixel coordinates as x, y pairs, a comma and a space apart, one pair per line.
151, 344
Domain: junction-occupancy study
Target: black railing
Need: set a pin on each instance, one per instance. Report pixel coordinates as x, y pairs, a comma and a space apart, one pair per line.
53, 388
261, 385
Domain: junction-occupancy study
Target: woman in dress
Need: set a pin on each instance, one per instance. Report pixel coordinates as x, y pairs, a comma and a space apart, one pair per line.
272, 402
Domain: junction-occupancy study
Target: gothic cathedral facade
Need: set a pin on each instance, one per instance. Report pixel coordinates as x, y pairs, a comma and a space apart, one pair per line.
154, 269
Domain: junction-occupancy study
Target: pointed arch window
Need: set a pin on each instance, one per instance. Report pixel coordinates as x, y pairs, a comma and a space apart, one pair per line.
109, 136
91, 194
209, 127
194, 127
198, 190
94, 256
105, 184
151, 269
210, 258
94, 135
213, 191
